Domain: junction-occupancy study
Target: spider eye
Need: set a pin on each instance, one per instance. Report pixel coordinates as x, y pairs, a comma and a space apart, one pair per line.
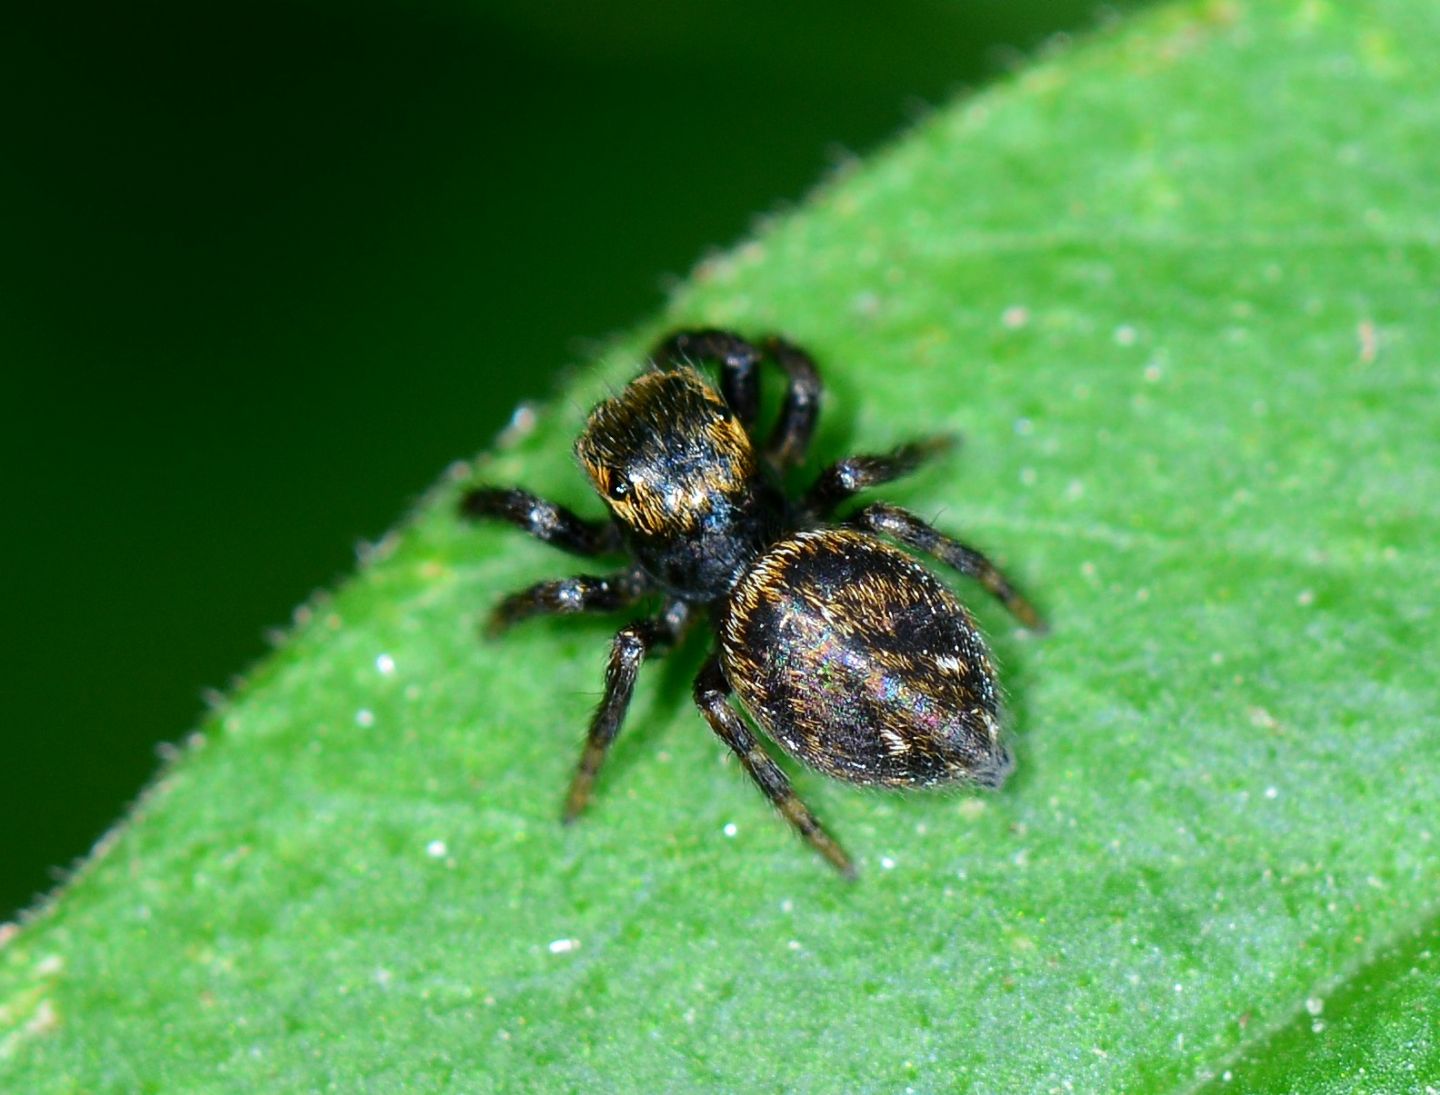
620, 488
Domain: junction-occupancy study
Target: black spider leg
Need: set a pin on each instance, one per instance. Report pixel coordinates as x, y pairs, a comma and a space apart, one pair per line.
846, 478
739, 365
567, 596
790, 439
915, 533
711, 693
627, 651
740, 383
543, 520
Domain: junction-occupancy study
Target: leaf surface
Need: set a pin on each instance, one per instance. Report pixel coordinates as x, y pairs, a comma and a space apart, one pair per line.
1177, 289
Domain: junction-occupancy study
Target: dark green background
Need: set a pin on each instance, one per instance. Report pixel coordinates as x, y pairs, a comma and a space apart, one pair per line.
268, 269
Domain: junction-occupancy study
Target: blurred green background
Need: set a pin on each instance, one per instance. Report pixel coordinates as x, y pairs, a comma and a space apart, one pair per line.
267, 269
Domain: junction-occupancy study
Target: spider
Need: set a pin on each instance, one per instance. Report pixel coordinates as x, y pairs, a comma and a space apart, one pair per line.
847, 652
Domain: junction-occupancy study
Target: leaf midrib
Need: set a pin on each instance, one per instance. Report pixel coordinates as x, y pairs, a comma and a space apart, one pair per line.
1406, 936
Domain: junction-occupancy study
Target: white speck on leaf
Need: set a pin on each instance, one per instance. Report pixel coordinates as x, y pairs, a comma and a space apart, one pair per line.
521, 425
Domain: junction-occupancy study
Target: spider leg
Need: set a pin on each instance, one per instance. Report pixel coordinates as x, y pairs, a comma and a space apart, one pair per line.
739, 365
567, 596
711, 693
915, 533
541, 519
790, 438
739, 361
846, 478
627, 651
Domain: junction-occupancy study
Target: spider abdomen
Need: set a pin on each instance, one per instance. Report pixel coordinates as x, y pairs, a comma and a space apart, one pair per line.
860, 663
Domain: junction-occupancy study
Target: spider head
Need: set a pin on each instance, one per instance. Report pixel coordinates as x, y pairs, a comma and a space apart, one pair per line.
669, 457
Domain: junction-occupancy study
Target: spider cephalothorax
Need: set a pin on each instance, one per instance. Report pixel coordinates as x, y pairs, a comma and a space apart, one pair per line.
848, 653
682, 478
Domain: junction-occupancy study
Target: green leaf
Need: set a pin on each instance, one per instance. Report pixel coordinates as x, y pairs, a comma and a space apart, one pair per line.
1178, 289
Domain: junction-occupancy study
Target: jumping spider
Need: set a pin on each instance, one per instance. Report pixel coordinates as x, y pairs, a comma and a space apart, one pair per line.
848, 653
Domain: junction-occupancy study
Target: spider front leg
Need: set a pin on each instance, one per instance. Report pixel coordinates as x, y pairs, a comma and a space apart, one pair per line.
712, 692
627, 651
915, 533
739, 365
846, 478
567, 596
543, 520
790, 439
739, 361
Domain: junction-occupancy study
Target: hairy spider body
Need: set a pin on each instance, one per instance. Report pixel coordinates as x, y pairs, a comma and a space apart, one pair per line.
849, 654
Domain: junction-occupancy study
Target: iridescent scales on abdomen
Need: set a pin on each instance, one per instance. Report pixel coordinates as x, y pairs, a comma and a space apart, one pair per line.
862, 665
